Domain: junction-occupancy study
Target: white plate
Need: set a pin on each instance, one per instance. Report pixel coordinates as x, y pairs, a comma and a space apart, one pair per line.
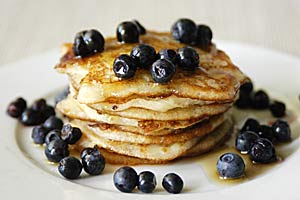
25, 174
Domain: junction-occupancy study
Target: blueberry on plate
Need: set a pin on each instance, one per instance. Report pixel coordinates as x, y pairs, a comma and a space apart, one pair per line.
147, 182
277, 109
88, 42
56, 150
262, 151
144, 55
184, 30
260, 100
125, 179
124, 66
53, 123
53, 135
16, 108
247, 87
93, 161
265, 131
128, 32
162, 71
141, 29
204, 36
172, 183
168, 54
230, 166
244, 101
245, 140
281, 130
31, 117
70, 134
188, 58
38, 134
250, 125
39, 105
49, 111
70, 167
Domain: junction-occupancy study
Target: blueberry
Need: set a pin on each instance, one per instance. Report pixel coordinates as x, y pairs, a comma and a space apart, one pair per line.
53, 123
247, 87
62, 95
16, 107
39, 105
184, 30
188, 58
86, 151
172, 183
125, 179
70, 167
204, 36
244, 100
277, 109
144, 55
141, 29
56, 150
250, 125
93, 161
49, 111
38, 134
124, 66
230, 165
88, 42
127, 32
31, 117
265, 131
53, 135
147, 182
245, 140
162, 71
168, 54
70, 134
281, 130
260, 100
262, 151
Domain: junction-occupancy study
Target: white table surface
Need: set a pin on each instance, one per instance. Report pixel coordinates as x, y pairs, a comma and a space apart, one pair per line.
29, 27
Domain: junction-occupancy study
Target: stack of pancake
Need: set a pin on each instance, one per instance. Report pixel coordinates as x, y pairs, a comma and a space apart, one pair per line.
138, 121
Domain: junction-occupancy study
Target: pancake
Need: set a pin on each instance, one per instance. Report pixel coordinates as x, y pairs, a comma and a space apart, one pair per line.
208, 143
199, 130
216, 80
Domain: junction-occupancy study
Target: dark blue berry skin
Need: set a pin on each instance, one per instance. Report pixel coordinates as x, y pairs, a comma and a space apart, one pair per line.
281, 130
172, 183
38, 134
93, 161
184, 30
230, 165
16, 108
53, 123
262, 151
277, 109
147, 182
88, 42
247, 87
162, 71
31, 117
260, 100
62, 95
245, 140
124, 66
70, 134
128, 32
204, 36
125, 179
188, 58
168, 54
265, 131
144, 55
250, 125
70, 167
244, 101
52, 135
49, 111
56, 150
141, 29
39, 105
